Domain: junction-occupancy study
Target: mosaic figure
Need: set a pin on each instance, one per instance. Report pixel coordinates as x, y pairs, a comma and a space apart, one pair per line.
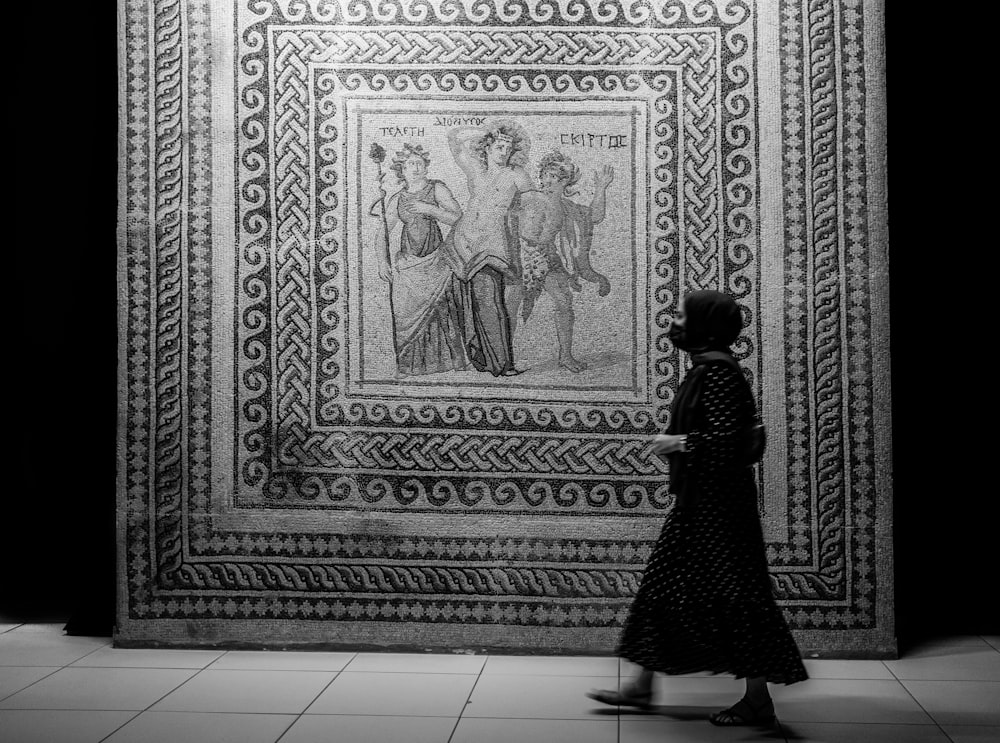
556, 235
425, 296
481, 249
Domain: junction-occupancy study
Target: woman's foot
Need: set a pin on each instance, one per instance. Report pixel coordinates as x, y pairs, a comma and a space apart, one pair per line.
745, 712
572, 365
628, 696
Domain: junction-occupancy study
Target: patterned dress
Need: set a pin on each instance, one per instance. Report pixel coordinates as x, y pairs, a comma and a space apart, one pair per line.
705, 601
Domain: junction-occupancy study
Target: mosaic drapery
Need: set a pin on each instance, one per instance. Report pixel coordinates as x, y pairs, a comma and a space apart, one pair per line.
293, 473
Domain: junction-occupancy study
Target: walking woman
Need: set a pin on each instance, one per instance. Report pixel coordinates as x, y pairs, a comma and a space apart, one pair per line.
705, 601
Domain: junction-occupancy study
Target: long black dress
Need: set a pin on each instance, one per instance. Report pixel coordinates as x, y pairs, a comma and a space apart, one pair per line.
705, 601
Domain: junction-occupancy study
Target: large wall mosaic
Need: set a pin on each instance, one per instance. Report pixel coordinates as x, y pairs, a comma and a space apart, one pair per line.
326, 440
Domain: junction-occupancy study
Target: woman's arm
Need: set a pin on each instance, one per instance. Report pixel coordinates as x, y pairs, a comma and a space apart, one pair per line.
446, 210
449, 211
668, 443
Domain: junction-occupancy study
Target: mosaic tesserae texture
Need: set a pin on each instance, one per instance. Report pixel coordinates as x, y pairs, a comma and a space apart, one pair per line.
394, 284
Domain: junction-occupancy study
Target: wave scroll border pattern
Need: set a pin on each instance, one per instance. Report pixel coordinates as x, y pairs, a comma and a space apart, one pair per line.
301, 448
298, 446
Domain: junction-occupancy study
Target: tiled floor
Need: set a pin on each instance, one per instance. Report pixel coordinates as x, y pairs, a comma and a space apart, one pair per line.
55, 688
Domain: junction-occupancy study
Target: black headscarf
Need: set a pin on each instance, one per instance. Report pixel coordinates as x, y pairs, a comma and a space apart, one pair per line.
712, 323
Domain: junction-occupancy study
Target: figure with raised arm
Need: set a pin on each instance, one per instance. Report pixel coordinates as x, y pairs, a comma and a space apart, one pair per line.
481, 248
556, 235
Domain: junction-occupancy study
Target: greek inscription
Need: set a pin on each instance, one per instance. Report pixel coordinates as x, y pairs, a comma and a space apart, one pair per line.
459, 120
600, 141
401, 131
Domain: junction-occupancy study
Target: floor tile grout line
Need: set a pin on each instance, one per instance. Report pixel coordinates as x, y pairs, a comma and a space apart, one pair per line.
222, 655
137, 713
618, 717
922, 708
233, 670
337, 714
897, 677
947, 680
18, 691
468, 698
586, 720
87, 655
347, 665
212, 662
336, 675
195, 674
152, 668
62, 667
290, 726
301, 714
353, 655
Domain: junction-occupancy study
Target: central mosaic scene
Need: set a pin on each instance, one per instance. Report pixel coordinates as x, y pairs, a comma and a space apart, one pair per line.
471, 269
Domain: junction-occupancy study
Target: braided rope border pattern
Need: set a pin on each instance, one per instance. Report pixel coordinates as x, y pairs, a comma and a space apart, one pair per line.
139, 436
168, 270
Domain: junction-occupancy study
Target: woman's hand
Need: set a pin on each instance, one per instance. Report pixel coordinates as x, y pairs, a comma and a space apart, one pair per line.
420, 207
667, 443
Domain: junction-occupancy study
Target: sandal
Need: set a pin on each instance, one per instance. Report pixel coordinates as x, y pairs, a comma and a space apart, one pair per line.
621, 699
744, 713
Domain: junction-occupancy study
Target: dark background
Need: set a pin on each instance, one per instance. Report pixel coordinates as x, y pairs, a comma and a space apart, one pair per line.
58, 534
